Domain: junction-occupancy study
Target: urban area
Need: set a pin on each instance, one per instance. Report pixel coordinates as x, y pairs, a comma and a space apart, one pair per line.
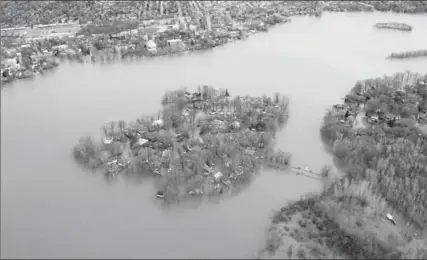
37, 35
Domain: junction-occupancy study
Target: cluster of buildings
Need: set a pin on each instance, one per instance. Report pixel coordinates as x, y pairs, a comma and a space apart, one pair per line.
358, 101
24, 61
202, 26
224, 149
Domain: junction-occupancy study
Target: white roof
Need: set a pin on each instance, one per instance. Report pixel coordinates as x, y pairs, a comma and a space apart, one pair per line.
158, 122
142, 141
218, 175
107, 141
151, 44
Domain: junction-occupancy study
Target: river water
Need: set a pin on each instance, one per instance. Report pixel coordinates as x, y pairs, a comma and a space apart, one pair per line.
52, 208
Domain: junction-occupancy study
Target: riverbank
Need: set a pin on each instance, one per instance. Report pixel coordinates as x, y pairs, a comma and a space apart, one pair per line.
121, 39
385, 172
202, 143
16, 72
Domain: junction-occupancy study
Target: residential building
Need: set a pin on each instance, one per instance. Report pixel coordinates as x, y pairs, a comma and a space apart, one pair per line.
151, 46
175, 43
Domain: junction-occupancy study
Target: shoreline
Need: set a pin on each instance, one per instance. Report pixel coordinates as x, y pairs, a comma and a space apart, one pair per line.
202, 144
73, 52
355, 208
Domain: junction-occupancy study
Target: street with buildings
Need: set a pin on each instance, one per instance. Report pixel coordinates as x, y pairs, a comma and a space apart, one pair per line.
123, 29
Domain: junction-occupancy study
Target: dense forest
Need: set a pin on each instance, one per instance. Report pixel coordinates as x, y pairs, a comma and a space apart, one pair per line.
379, 140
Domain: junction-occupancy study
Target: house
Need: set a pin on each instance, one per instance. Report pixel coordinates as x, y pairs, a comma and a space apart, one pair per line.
157, 123
218, 176
175, 43
107, 141
13, 63
173, 27
140, 142
223, 155
166, 155
235, 125
254, 24
390, 218
388, 116
373, 119
60, 47
216, 26
35, 58
151, 46
228, 162
208, 170
338, 106
250, 152
195, 192
239, 171
234, 34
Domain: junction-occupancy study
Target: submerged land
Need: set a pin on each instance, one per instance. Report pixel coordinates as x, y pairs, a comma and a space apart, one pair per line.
378, 208
201, 143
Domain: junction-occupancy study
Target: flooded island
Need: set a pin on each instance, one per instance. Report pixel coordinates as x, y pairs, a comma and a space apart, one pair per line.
394, 26
407, 55
378, 137
204, 142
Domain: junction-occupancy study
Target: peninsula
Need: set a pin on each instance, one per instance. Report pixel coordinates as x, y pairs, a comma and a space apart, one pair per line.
378, 208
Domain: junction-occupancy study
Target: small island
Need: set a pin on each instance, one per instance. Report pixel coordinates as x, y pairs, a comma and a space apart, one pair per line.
407, 55
200, 143
378, 137
394, 26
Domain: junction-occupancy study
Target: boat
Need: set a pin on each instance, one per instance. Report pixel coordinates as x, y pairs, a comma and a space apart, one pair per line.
196, 192
390, 218
160, 194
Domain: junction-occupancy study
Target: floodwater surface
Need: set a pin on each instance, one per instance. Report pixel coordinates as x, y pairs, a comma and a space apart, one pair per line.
50, 207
